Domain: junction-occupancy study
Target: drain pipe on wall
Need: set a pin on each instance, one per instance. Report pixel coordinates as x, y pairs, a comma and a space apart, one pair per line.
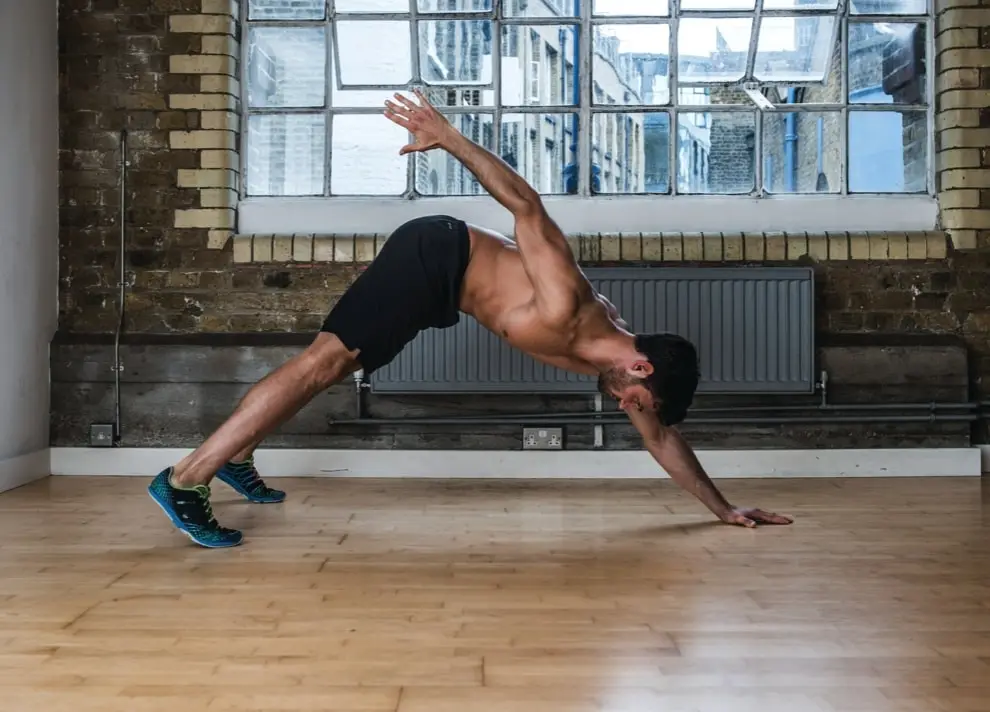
118, 366
109, 434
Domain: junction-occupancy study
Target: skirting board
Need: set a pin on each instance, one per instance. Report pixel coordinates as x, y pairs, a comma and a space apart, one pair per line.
568, 464
18, 471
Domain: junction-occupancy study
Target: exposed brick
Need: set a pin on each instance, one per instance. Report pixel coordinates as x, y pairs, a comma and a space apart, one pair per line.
205, 218
954, 199
957, 158
200, 178
957, 118
970, 98
956, 37
203, 24
220, 44
673, 248
219, 84
198, 140
203, 102
218, 198
202, 64
218, 239
955, 58
220, 120
966, 219
221, 7
963, 138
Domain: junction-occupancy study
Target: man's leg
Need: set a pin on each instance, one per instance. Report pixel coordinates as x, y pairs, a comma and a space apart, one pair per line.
183, 491
241, 475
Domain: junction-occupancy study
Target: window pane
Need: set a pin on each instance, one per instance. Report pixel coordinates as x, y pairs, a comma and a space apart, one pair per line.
630, 153
286, 66
365, 156
802, 152
888, 152
543, 149
540, 8
800, 4
539, 65
712, 50
371, 5
630, 64
285, 154
439, 173
630, 7
886, 63
358, 97
888, 7
718, 4
442, 6
794, 49
455, 51
715, 152
374, 53
286, 9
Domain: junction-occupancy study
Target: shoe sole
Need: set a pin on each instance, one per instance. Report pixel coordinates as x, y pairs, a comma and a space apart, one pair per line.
246, 496
178, 526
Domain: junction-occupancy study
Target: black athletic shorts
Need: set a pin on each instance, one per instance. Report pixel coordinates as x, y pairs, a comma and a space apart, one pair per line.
413, 284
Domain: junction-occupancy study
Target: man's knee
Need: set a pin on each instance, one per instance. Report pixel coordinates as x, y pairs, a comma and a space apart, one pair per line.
327, 361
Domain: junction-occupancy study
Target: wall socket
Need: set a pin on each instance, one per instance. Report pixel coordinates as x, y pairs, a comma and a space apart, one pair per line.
543, 438
101, 435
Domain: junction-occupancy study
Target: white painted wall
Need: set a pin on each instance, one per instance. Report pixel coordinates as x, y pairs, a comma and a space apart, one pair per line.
28, 232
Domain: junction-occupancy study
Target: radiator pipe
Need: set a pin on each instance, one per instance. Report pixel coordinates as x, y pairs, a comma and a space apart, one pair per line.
122, 286
359, 388
594, 416
613, 420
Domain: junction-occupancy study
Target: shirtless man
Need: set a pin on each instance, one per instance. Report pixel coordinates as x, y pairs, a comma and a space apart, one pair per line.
529, 291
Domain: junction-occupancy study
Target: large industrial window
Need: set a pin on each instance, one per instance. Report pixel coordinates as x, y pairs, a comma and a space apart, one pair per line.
590, 98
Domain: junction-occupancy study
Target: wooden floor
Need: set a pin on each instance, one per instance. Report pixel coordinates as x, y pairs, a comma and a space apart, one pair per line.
499, 597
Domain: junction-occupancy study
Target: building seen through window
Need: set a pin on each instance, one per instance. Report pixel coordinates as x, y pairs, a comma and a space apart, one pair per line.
666, 107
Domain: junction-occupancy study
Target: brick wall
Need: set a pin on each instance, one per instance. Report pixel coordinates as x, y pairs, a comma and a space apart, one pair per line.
164, 70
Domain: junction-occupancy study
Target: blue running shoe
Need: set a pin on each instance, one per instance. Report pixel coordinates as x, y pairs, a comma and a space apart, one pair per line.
190, 510
244, 479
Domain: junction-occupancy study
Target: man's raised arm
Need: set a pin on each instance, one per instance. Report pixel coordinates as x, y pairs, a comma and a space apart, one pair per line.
546, 256
676, 457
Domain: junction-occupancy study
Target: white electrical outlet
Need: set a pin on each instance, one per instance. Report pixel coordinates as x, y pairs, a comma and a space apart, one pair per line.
543, 438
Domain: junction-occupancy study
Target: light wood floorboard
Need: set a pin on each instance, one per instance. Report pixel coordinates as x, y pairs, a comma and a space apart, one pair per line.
474, 596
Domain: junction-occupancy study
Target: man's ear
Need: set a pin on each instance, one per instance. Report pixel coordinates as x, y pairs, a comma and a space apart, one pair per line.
641, 368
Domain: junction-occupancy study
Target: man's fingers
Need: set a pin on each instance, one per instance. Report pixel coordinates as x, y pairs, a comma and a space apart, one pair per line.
408, 148
406, 102
773, 517
746, 522
397, 110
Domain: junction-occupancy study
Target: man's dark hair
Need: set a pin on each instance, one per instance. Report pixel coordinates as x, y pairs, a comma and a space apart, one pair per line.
675, 373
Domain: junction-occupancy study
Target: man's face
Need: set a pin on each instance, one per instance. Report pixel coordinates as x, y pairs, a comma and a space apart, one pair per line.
627, 389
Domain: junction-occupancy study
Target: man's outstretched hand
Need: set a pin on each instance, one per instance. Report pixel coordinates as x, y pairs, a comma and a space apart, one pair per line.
427, 125
752, 517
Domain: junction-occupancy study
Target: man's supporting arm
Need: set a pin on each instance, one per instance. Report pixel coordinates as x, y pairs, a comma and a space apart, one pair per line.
676, 457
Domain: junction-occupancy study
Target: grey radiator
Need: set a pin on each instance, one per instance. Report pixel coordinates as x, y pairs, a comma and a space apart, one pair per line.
753, 327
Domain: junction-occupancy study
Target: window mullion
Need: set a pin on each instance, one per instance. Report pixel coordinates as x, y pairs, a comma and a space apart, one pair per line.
674, 97
585, 138
497, 79
844, 121
417, 80
754, 37
328, 149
